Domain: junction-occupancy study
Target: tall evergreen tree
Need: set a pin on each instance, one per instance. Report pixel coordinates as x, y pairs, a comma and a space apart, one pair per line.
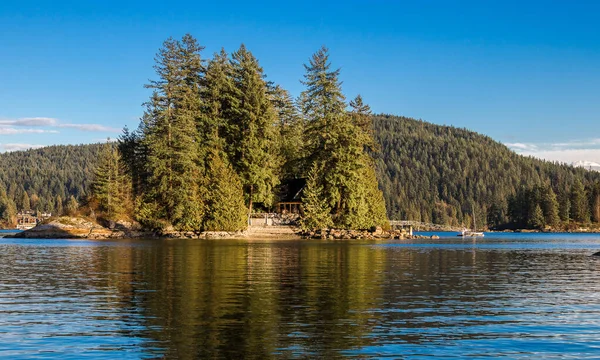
550, 207
217, 94
316, 212
111, 188
226, 210
339, 140
579, 203
8, 210
26, 204
290, 132
175, 189
250, 130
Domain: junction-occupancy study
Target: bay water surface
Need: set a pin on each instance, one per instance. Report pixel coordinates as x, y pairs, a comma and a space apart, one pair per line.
506, 295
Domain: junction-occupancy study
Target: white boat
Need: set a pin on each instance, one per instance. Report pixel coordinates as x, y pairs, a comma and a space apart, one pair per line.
471, 233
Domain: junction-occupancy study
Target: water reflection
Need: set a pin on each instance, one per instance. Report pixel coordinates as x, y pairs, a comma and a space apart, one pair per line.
288, 299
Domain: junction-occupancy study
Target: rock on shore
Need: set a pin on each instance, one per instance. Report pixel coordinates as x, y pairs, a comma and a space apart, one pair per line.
67, 227
372, 234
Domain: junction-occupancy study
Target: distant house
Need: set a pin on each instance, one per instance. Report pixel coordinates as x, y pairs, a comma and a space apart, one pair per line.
29, 219
26, 220
290, 196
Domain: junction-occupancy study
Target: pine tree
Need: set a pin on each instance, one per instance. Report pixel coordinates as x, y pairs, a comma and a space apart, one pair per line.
537, 218
175, 188
316, 212
550, 206
290, 132
579, 203
341, 140
72, 206
8, 210
26, 203
111, 189
250, 130
226, 210
58, 206
217, 94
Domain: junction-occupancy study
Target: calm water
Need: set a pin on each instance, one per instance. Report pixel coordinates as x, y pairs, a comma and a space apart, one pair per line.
517, 296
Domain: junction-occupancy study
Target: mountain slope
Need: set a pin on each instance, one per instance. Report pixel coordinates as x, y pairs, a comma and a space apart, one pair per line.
427, 172
49, 175
443, 174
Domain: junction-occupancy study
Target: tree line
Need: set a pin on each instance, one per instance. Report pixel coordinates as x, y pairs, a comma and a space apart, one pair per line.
448, 175
217, 138
52, 179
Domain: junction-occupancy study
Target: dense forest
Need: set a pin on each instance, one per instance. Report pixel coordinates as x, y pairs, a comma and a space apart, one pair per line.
50, 179
444, 175
217, 140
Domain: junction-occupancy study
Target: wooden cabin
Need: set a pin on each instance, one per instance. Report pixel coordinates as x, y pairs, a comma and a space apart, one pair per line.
26, 220
290, 195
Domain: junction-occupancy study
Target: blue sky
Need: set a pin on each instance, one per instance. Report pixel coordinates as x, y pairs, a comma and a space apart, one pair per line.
526, 73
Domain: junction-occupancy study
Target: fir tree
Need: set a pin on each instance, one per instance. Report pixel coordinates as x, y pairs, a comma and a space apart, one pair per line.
26, 205
536, 220
8, 210
175, 189
550, 207
72, 206
579, 203
225, 203
290, 131
111, 188
316, 212
250, 131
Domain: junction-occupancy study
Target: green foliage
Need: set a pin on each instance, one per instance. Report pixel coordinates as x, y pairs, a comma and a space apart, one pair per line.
111, 189
425, 169
8, 211
580, 211
536, 221
225, 202
290, 130
72, 206
338, 141
48, 174
316, 212
250, 134
174, 184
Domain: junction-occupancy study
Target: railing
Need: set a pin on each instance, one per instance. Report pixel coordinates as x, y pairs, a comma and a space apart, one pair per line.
422, 225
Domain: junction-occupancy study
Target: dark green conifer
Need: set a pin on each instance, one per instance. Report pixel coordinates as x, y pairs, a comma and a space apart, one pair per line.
8, 210
316, 212
175, 188
226, 210
250, 132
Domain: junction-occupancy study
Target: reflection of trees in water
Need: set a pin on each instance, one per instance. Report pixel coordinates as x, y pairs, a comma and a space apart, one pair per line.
310, 299
240, 299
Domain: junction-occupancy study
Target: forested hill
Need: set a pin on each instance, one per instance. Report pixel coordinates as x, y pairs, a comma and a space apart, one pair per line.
443, 174
427, 172
48, 177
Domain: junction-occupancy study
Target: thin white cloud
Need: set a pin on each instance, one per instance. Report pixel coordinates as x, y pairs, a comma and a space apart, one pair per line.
521, 146
19, 147
7, 124
89, 127
32, 121
14, 131
566, 152
568, 156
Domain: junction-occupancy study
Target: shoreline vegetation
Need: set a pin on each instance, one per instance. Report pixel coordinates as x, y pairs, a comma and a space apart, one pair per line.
218, 142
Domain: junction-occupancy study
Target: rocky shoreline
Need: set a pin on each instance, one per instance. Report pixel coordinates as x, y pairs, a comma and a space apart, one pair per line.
373, 234
83, 228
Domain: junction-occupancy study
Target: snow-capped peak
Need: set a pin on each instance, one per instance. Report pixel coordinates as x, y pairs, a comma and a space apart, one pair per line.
589, 165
